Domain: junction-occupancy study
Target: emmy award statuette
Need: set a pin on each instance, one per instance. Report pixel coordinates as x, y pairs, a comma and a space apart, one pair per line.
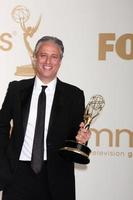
76, 152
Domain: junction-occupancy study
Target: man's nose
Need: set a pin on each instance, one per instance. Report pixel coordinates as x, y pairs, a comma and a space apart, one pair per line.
48, 60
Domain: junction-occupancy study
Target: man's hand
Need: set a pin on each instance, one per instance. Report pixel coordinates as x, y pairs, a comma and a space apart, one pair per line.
83, 134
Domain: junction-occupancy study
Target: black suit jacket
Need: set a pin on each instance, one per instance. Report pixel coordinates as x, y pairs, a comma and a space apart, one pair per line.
66, 115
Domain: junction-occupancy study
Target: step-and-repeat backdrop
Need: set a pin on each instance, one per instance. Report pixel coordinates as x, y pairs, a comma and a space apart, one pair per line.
98, 40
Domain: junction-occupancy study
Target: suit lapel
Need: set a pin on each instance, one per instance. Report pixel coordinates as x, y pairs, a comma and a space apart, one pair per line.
57, 105
26, 93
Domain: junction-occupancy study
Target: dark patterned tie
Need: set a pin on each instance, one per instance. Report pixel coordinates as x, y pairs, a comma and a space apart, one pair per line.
38, 143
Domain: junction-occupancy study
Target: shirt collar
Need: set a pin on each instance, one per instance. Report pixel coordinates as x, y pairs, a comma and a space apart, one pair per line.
51, 85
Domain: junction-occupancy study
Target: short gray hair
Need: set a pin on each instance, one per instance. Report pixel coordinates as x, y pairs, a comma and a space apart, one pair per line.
52, 39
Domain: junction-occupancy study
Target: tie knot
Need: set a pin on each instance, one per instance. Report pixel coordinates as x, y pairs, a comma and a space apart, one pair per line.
44, 87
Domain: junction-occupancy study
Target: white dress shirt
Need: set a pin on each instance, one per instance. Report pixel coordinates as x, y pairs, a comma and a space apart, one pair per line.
26, 151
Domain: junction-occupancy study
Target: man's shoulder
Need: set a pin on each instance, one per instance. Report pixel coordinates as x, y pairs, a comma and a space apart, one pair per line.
69, 87
21, 83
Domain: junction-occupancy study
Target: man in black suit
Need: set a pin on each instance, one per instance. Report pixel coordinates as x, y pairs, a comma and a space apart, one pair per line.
63, 115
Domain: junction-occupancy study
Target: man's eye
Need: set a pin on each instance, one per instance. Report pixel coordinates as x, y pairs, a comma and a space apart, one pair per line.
55, 56
43, 55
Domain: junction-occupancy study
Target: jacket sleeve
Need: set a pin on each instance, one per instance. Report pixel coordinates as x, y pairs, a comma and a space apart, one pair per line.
77, 112
5, 119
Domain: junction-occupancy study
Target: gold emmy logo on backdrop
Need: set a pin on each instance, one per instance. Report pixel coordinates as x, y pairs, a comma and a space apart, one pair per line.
21, 15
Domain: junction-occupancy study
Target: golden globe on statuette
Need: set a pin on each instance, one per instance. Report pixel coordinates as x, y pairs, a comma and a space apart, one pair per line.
76, 152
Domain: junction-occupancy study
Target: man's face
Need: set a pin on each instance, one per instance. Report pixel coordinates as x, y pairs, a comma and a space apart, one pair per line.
48, 61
